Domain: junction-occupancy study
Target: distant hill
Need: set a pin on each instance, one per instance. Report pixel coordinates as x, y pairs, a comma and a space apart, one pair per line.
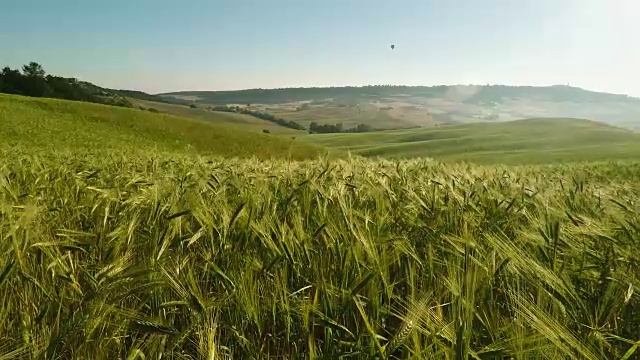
38, 124
522, 141
393, 107
467, 93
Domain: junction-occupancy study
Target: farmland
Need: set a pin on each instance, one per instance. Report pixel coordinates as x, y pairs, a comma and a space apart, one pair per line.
246, 122
192, 257
132, 235
398, 107
514, 142
48, 124
351, 115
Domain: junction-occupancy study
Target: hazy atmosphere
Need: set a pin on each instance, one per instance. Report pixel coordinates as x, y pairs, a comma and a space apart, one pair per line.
308, 179
164, 45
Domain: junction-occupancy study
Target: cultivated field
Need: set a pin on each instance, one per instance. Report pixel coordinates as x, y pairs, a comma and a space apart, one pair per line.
125, 235
248, 123
395, 107
376, 116
48, 124
515, 142
185, 257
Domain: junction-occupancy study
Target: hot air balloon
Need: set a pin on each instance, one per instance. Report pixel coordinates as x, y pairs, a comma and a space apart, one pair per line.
393, 47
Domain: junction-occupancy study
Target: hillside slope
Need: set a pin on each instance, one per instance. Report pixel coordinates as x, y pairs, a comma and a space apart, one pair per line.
388, 107
50, 124
249, 123
466, 93
32, 80
522, 141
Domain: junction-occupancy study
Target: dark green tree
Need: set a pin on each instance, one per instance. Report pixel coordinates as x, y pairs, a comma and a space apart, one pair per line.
33, 69
35, 84
13, 81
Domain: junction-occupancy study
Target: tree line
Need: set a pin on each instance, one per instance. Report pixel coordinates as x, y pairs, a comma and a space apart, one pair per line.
316, 128
35, 82
260, 115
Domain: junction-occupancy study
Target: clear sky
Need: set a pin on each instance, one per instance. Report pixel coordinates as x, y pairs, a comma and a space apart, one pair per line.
171, 45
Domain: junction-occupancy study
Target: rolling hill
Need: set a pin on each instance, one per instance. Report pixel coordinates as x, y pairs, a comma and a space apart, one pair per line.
394, 107
32, 80
523, 141
48, 124
249, 123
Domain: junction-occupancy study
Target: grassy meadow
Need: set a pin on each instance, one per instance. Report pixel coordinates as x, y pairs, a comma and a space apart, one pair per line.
153, 249
514, 142
247, 122
40, 124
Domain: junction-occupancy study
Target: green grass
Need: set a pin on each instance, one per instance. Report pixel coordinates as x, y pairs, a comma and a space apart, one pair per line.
46, 124
249, 123
181, 257
522, 141
125, 235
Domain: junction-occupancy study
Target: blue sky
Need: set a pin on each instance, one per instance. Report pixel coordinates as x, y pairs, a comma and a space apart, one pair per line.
168, 45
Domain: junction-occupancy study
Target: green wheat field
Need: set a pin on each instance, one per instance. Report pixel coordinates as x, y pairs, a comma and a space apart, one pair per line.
166, 251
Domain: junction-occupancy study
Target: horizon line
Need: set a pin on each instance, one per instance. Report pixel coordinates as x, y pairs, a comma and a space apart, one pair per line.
384, 85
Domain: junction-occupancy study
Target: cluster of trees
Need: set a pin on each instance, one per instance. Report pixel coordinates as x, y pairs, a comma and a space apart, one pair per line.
313, 128
153, 110
34, 81
261, 115
337, 128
